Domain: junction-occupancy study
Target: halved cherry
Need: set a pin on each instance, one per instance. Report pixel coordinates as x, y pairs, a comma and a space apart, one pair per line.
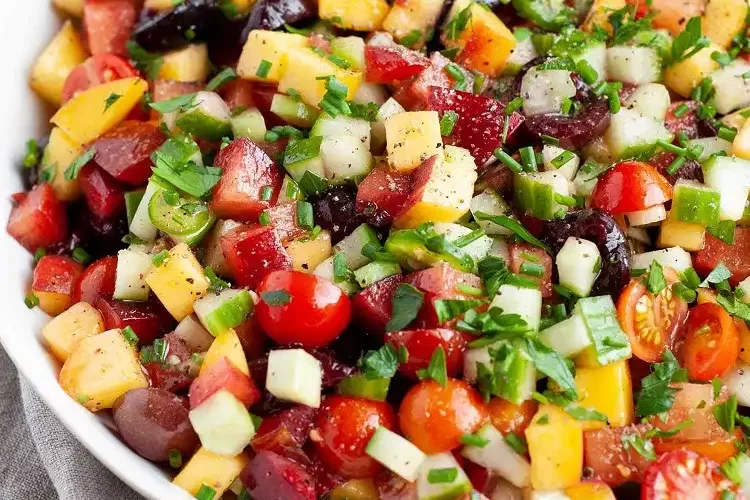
712, 342
683, 475
630, 186
95, 70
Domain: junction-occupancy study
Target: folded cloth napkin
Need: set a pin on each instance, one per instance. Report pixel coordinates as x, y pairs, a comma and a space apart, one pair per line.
39, 458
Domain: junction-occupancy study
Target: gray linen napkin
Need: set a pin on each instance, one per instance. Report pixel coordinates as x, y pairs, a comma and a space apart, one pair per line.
39, 458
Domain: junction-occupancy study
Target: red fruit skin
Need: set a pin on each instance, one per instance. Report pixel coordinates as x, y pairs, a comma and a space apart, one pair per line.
391, 486
284, 221
107, 25
383, 194
270, 476
125, 151
422, 344
610, 461
168, 378
95, 70
252, 253
246, 171
438, 283
415, 94
252, 338
389, 63
223, 375
285, 432
104, 195
238, 93
630, 186
98, 280
345, 426
149, 320
372, 306
687, 123
39, 220
480, 124
519, 253
56, 274
735, 256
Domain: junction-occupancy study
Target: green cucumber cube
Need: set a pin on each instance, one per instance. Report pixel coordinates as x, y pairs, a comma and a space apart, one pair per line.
568, 337
303, 155
631, 134
693, 202
526, 302
375, 271
223, 310
132, 200
325, 270
130, 276
450, 490
578, 265
223, 424
675, 257
396, 453
499, 458
491, 203
294, 375
477, 249
351, 246
729, 176
294, 112
535, 193
351, 49
362, 387
251, 124
207, 117
610, 343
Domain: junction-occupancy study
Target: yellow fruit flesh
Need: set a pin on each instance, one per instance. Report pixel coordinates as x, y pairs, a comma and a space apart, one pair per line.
63, 332
55, 63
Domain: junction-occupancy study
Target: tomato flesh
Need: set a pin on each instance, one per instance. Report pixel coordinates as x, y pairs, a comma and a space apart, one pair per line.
107, 25
253, 252
223, 375
735, 256
98, 280
39, 220
288, 429
421, 345
509, 417
96, 70
526, 252
383, 193
712, 342
605, 454
104, 195
630, 186
684, 474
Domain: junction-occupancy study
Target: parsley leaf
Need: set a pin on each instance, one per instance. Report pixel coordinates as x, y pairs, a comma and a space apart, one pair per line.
474, 440
111, 99
216, 284
656, 281
78, 163
145, 61
341, 271
222, 77
719, 274
458, 24
447, 309
493, 272
514, 226
436, 370
406, 303
173, 163
725, 413
656, 432
550, 363
276, 297
179, 103
656, 396
732, 468
573, 409
367, 111
625, 26
518, 443
689, 42
382, 363
644, 447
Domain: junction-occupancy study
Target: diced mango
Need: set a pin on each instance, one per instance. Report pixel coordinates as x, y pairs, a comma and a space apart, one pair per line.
736, 119
243, 6
607, 389
307, 254
227, 345
100, 369
305, 67
53, 303
676, 233
86, 116
744, 338
486, 43
406, 18
684, 76
60, 152
159, 4
179, 281
555, 441
599, 14
72, 7
356, 489
723, 19
411, 138
268, 46
213, 470
64, 331
588, 358
590, 491
189, 64
58, 59
741, 143
363, 15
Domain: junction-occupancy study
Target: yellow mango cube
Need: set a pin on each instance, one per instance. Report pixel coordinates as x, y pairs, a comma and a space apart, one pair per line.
723, 19
736, 119
555, 441
227, 345
599, 14
305, 67
607, 389
590, 491
485, 44
741, 143
676, 233
684, 76
356, 489
60, 152
56, 62
100, 369
307, 254
362, 15
412, 16
159, 4
179, 281
411, 138
268, 46
86, 116
72, 7
189, 64
216, 471
64, 331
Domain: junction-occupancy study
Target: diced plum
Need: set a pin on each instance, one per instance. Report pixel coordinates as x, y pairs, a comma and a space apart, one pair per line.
438, 283
690, 170
98, 280
735, 256
252, 338
167, 377
421, 345
372, 307
237, 94
573, 132
390, 62
125, 151
99, 236
284, 221
39, 221
480, 124
104, 195
521, 252
497, 177
605, 453
54, 282
336, 211
382, 195
165, 90
107, 25
149, 320
687, 123
191, 21
285, 430
223, 375
246, 172
270, 476
414, 94
273, 14
252, 252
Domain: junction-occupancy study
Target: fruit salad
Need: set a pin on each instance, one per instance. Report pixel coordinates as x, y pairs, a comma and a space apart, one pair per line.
402, 250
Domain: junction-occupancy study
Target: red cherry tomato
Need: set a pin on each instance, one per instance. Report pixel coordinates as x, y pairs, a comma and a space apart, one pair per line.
313, 314
434, 417
630, 186
94, 71
345, 426
712, 342
683, 475
98, 280
421, 345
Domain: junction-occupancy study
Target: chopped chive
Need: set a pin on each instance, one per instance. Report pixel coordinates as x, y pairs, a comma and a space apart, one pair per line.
508, 160
412, 38
548, 139
513, 106
339, 61
263, 69
676, 165
587, 72
40, 252
305, 215
81, 256
559, 312
562, 159
600, 89
264, 218
224, 76
31, 301
160, 350
681, 110
469, 238
455, 72
205, 493
531, 269
159, 258
175, 459
449, 53
130, 335
528, 159
614, 103
447, 475
568, 201
668, 146
726, 133
447, 123
266, 193
567, 104
271, 136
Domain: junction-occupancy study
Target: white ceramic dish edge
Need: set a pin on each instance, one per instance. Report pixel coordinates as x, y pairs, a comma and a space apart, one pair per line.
29, 25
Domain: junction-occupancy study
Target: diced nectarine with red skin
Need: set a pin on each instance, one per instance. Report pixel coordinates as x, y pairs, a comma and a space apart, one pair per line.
252, 338
284, 221
735, 256
286, 430
422, 344
414, 94
439, 283
125, 151
223, 375
605, 454
247, 172
269, 471
55, 277
107, 25
390, 62
243, 94
372, 307
104, 195
149, 320
39, 220
383, 194
525, 252
98, 280
252, 252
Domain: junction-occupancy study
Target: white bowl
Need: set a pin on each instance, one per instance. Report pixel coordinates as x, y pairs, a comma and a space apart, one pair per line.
29, 26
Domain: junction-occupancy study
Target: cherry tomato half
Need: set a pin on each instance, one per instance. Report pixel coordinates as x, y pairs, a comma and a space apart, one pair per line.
630, 186
683, 475
98, 280
421, 345
312, 312
651, 321
712, 342
95, 70
342, 430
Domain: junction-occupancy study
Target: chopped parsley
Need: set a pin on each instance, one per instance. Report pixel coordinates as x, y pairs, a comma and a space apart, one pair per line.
436, 369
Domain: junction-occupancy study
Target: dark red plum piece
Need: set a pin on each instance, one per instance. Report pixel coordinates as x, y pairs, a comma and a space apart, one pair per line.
125, 151
270, 476
98, 236
336, 211
690, 170
287, 430
573, 132
39, 220
97, 280
149, 320
104, 195
169, 30
372, 307
273, 14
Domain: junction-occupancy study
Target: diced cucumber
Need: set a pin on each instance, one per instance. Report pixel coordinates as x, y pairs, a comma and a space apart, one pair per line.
213, 254
730, 177
290, 191
587, 177
477, 249
491, 203
427, 490
567, 169
675, 257
650, 99
745, 287
598, 151
371, 93
251, 124
351, 246
636, 65
294, 375
130, 277
351, 49
523, 53
710, 146
196, 338
132, 200
660, 40
543, 91
648, 216
325, 270
141, 225
188, 220
578, 265
732, 89
363, 387
389, 108
223, 424
526, 302
207, 117
743, 466
738, 383
472, 357
411, 252
294, 112
375, 271
345, 157
676, 233
631, 134
696, 203
325, 126
609, 342
223, 310
499, 458
568, 337
535, 193
303, 155
500, 248
396, 453
596, 55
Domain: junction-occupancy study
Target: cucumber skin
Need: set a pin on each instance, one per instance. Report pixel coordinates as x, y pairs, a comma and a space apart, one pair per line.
204, 126
230, 314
